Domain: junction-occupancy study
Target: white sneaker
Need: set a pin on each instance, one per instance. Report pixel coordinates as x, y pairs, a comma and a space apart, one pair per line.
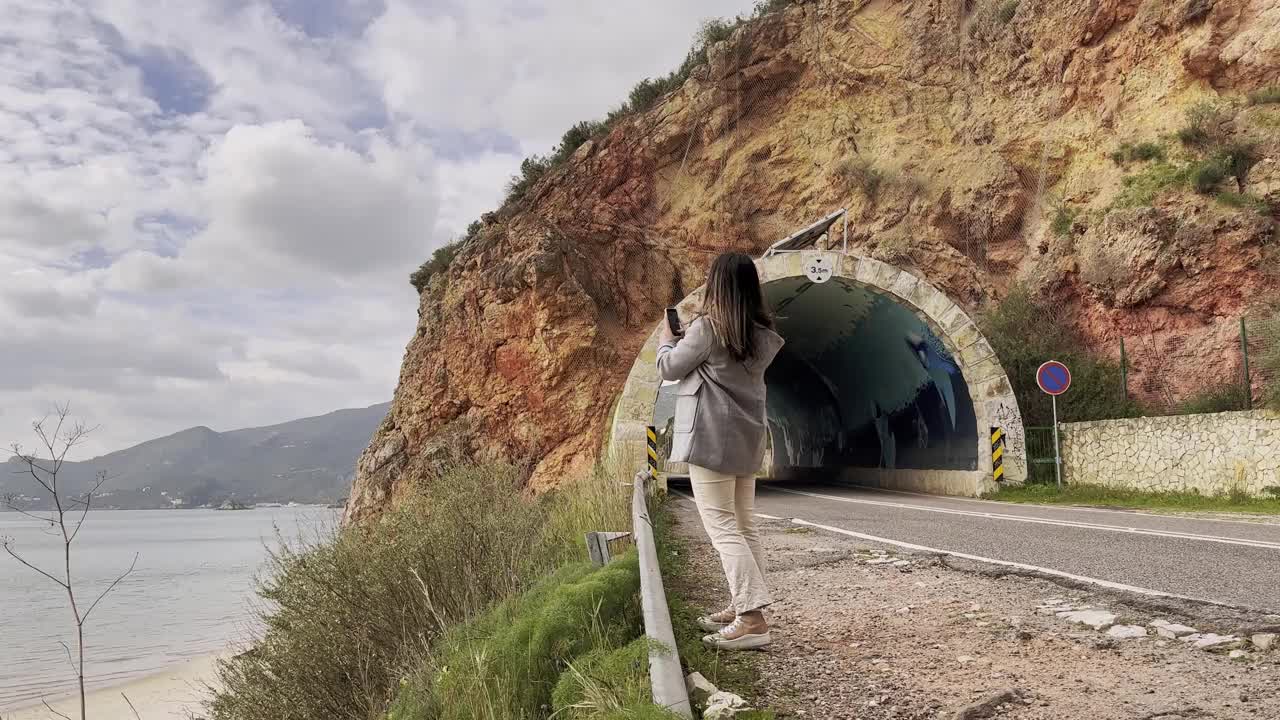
716, 622
728, 638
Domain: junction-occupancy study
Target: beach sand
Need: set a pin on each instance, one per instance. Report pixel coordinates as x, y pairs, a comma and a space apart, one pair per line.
172, 694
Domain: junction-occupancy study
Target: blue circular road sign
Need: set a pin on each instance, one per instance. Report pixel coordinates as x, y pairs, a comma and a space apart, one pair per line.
1053, 377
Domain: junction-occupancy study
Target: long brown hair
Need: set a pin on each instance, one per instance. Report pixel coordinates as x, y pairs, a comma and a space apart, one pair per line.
734, 304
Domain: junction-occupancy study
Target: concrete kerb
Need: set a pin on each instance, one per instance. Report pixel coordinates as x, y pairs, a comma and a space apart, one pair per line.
992, 394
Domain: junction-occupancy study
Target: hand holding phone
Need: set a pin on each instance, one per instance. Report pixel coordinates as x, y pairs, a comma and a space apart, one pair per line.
673, 322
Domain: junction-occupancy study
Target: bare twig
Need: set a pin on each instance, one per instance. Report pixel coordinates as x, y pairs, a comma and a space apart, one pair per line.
131, 707
58, 443
67, 649
9, 549
49, 707
110, 587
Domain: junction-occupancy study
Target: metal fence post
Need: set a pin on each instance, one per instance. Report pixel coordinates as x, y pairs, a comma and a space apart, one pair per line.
1244, 351
1124, 369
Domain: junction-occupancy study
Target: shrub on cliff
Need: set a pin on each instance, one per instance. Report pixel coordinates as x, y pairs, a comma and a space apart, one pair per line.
346, 618
1025, 331
1007, 12
1204, 125
1130, 152
1265, 96
439, 262
643, 96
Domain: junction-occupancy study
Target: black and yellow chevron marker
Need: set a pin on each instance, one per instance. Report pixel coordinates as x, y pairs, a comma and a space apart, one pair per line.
997, 454
652, 434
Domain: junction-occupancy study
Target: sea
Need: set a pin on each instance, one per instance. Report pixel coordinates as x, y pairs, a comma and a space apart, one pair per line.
190, 595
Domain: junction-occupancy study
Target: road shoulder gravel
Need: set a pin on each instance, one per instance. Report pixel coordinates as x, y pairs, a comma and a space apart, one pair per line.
871, 632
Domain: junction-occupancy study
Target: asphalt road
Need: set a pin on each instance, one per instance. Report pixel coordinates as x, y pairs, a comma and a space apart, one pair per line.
1225, 561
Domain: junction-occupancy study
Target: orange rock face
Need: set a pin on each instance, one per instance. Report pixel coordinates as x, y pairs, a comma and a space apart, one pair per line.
955, 139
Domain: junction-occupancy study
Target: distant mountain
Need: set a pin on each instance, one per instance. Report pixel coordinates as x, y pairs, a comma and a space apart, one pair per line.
308, 461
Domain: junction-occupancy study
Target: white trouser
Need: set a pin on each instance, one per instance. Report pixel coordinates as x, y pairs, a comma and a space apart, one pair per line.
727, 506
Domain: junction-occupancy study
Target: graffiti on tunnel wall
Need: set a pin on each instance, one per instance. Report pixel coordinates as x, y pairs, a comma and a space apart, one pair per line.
861, 382
866, 383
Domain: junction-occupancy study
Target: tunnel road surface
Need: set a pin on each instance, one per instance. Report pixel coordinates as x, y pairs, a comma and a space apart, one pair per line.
1232, 562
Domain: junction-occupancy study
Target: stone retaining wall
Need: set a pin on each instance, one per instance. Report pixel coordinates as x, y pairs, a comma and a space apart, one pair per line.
1210, 453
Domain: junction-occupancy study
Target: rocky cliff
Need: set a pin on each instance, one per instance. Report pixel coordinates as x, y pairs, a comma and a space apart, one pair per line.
1104, 152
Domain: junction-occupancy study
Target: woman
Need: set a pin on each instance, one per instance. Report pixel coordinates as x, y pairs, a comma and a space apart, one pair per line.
720, 431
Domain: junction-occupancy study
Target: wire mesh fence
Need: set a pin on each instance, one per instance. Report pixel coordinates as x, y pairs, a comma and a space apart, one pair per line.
1230, 365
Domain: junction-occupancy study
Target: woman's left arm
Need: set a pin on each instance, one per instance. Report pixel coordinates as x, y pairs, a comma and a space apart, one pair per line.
679, 357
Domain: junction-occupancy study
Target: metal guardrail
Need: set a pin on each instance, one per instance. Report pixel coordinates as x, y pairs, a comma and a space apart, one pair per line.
665, 673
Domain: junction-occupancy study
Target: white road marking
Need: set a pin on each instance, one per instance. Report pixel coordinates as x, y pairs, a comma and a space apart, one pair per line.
1005, 563
991, 561
1260, 522
1043, 521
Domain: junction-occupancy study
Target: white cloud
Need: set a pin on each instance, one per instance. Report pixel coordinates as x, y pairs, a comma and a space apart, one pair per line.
530, 71
283, 205
209, 210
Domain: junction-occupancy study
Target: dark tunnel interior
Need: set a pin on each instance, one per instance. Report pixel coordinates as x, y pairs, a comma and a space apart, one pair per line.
861, 383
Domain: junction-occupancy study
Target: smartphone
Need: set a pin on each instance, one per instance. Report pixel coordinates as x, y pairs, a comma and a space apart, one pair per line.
673, 321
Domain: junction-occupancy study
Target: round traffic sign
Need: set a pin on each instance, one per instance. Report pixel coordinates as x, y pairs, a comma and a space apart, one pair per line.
1053, 377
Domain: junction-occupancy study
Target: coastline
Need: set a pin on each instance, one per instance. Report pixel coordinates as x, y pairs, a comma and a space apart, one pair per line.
175, 693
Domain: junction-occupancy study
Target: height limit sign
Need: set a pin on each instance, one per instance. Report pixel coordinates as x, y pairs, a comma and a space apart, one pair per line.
1054, 378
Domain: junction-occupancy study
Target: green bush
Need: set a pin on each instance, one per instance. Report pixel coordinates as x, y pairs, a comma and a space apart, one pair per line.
768, 7
1239, 158
575, 137
1064, 219
1207, 175
1203, 126
1025, 331
643, 96
1265, 96
532, 169
862, 174
440, 261
347, 617
717, 30
1128, 152
1007, 12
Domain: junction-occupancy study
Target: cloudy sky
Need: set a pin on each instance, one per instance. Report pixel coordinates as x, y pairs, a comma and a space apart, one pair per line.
209, 208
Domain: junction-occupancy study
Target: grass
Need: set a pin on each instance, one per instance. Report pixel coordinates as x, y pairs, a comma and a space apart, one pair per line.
1222, 398
1204, 175
1142, 189
1007, 12
512, 662
348, 616
570, 647
1098, 495
1242, 201
1265, 96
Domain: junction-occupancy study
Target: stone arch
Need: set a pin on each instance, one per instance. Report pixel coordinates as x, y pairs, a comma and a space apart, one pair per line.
988, 387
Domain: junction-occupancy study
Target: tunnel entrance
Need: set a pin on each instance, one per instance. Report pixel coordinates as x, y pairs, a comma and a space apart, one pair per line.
884, 381
862, 383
